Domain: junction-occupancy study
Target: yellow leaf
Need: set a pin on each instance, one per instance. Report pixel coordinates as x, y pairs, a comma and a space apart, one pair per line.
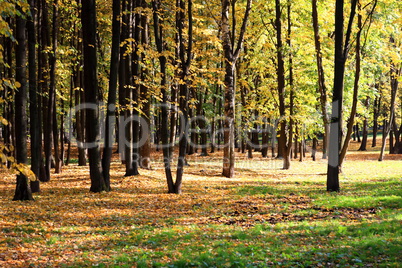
3, 121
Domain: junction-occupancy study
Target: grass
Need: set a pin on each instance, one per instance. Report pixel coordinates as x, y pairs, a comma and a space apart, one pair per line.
264, 217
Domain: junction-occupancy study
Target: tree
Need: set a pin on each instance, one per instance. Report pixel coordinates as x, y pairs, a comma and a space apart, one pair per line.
231, 54
341, 52
145, 98
111, 103
88, 19
322, 89
185, 53
22, 190
35, 128
164, 113
185, 63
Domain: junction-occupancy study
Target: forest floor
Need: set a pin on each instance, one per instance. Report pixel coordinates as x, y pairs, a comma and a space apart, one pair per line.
264, 217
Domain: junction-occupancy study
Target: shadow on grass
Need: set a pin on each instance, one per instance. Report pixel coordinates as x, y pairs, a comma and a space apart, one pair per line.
305, 244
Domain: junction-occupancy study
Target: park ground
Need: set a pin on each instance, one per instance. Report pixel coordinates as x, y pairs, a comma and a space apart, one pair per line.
264, 217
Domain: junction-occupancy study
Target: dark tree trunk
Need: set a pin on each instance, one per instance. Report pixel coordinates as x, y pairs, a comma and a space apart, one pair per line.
322, 89
22, 190
363, 145
376, 113
185, 58
202, 124
127, 127
47, 127
341, 51
132, 94
70, 125
352, 116
145, 150
265, 140
57, 149
214, 119
122, 75
62, 135
288, 145
191, 148
273, 137
164, 129
391, 141
358, 133
314, 149
280, 72
36, 141
88, 19
301, 152
80, 121
112, 97
52, 114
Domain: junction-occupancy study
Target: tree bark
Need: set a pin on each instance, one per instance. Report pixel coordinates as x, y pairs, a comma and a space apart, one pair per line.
47, 128
185, 62
22, 190
231, 55
388, 127
88, 19
164, 129
288, 145
351, 120
363, 145
341, 51
376, 113
280, 72
36, 141
112, 96
145, 151
322, 89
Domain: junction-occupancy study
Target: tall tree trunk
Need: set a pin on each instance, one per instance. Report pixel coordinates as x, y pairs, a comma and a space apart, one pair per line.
36, 141
112, 96
22, 190
132, 94
288, 145
280, 72
145, 151
52, 113
164, 129
395, 72
122, 81
88, 19
341, 52
322, 89
351, 120
127, 127
47, 127
231, 54
185, 62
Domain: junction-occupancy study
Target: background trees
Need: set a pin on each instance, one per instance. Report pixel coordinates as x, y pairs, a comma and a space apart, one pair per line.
214, 72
